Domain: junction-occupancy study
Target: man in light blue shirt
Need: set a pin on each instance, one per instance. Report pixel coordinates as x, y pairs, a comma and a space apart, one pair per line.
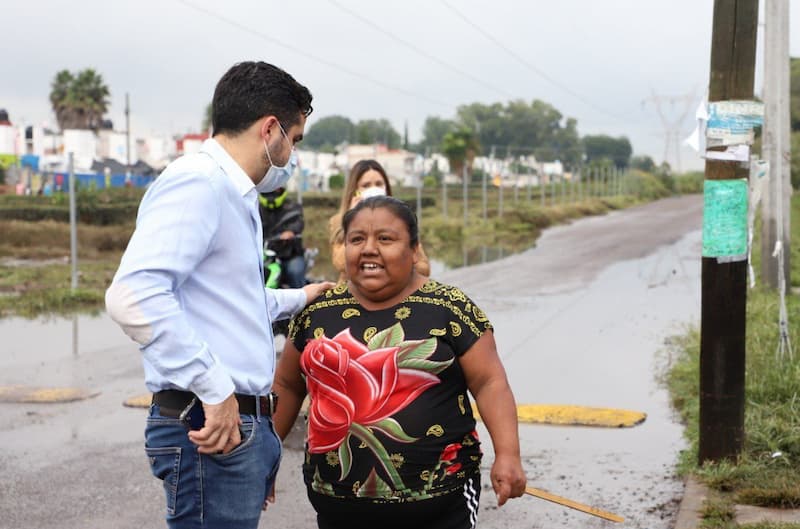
190, 290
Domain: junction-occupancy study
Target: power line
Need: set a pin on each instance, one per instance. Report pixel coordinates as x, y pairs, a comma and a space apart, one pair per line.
313, 57
530, 66
383, 31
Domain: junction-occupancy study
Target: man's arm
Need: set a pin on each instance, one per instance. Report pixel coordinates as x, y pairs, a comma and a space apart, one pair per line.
176, 225
284, 303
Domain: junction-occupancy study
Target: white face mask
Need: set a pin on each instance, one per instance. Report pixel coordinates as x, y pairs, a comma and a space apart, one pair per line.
277, 176
374, 191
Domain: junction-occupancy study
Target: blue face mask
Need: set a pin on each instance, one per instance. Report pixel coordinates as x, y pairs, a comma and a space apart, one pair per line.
277, 176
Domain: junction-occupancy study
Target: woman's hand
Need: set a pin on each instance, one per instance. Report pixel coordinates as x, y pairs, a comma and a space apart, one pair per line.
508, 478
355, 200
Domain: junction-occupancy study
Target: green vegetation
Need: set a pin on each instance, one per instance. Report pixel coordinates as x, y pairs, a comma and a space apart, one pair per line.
766, 474
35, 247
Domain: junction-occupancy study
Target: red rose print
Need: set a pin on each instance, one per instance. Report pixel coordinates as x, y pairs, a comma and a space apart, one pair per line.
452, 469
450, 452
349, 384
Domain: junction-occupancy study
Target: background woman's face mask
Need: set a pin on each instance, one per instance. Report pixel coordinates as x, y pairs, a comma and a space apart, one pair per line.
374, 191
277, 176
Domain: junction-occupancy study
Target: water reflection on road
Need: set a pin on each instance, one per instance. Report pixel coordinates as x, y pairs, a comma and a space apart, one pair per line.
470, 255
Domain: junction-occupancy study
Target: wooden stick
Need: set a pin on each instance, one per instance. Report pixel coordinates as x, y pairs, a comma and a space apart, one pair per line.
594, 511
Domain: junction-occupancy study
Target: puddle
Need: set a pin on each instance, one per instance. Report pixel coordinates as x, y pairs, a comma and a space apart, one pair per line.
470, 256
56, 351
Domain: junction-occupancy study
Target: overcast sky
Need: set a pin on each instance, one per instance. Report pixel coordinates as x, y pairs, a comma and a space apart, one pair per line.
600, 62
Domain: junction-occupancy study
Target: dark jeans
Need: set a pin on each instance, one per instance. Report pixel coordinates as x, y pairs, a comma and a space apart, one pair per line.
295, 270
212, 491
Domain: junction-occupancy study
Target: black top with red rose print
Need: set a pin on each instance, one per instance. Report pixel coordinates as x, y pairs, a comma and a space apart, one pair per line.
389, 416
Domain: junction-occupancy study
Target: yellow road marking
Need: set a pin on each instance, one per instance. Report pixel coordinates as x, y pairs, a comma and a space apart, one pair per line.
576, 415
139, 401
528, 413
29, 394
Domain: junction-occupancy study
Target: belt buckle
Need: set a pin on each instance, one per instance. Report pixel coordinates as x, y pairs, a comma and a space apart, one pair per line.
273, 403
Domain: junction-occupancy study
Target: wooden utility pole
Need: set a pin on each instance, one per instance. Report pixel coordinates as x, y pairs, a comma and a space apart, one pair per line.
724, 284
776, 146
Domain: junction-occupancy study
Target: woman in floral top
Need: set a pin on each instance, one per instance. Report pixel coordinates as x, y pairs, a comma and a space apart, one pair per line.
388, 360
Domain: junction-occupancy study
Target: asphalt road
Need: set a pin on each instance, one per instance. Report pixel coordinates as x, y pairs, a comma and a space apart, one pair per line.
581, 319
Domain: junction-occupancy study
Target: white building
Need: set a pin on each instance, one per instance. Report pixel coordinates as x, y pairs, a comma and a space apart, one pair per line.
399, 164
156, 151
113, 144
83, 144
8, 140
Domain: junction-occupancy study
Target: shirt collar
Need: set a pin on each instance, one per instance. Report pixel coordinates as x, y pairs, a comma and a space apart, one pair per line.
238, 177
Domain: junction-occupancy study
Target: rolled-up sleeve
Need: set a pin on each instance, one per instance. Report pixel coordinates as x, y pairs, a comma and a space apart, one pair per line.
175, 229
283, 303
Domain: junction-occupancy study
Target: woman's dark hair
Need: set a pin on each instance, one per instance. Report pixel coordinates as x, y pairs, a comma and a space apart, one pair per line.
397, 207
358, 169
251, 90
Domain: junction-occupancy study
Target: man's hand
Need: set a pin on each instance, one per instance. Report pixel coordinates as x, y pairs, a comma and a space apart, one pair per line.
220, 433
313, 290
270, 497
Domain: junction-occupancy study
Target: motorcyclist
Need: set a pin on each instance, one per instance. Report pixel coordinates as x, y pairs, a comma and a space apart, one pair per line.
283, 224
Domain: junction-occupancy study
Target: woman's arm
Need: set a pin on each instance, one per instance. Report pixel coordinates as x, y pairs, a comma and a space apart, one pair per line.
486, 380
291, 390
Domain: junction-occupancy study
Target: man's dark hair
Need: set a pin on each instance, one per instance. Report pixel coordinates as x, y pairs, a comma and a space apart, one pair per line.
251, 90
397, 207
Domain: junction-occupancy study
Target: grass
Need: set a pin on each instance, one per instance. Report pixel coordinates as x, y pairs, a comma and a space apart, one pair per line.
34, 256
30, 291
766, 473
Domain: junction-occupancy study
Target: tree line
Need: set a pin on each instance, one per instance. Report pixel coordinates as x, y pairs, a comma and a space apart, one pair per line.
512, 129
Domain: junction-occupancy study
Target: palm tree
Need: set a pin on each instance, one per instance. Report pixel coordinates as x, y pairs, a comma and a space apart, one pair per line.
79, 101
460, 146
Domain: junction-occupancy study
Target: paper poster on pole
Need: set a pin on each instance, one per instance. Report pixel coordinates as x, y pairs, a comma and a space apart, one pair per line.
732, 122
725, 219
732, 153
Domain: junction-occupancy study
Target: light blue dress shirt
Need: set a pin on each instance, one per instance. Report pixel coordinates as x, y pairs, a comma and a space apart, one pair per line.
190, 287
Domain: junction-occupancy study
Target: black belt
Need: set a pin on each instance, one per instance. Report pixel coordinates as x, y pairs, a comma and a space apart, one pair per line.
174, 401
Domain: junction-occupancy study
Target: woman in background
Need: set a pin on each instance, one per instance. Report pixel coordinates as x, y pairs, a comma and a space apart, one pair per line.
367, 179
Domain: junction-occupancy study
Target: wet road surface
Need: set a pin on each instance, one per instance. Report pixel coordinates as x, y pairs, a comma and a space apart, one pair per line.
581, 319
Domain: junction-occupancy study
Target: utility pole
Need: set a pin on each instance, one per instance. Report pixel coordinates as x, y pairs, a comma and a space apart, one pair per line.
776, 147
724, 284
73, 223
485, 176
500, 196
128, 137
466, 193
444, 195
